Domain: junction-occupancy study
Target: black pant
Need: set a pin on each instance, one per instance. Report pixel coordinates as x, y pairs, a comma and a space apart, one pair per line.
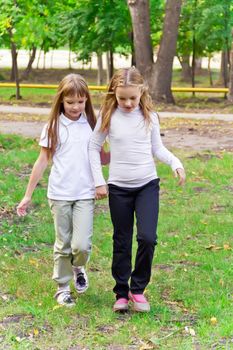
124, 202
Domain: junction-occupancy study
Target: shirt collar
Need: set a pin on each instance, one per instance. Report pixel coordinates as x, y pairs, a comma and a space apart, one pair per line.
136, 109
66, 121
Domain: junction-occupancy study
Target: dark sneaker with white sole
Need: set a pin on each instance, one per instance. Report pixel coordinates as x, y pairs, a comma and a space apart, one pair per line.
64, 298
80, 279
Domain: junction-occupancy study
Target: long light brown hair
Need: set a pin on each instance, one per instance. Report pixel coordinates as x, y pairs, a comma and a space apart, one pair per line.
125, 77
71, 85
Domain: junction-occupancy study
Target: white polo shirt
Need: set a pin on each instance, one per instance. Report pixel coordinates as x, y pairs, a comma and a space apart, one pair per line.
70, 177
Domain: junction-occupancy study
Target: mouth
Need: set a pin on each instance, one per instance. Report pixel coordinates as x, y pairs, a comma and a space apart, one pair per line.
75, 112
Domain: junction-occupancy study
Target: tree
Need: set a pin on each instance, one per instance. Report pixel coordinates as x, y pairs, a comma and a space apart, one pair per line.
215, 22
92, 26
28, 24
204, 29
158, 74
230, 94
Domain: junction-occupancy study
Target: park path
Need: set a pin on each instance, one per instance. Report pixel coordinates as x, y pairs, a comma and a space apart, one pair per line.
45, 111
216, 132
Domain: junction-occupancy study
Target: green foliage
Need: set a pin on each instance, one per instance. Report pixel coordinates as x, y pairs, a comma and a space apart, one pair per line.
209, 22
92, 26
157, 10
30, 23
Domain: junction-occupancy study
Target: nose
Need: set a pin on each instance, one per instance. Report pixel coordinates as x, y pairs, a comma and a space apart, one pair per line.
127, 103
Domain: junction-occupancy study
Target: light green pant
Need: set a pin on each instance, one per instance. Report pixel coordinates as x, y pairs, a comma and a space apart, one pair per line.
73, 221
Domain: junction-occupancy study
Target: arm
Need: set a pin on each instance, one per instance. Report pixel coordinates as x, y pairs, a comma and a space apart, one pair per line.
163, 154
96, 142
36, 174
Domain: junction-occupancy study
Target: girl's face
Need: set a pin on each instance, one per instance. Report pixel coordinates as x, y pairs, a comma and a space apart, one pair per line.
73, 106
128, 97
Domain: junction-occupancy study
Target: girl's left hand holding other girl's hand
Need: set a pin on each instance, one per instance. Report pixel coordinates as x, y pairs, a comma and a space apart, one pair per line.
101, 192
179, 172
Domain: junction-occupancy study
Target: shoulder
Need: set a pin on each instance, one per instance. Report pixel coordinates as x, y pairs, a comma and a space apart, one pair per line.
154, 118
44, 131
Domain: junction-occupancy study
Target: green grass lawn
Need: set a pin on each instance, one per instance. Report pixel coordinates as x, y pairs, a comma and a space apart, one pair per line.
191, 290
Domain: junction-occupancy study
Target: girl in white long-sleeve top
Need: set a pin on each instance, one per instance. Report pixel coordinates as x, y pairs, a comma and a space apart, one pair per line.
128, 120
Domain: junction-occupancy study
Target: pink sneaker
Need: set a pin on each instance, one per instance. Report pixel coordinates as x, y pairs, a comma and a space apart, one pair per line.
139, 302
121, 304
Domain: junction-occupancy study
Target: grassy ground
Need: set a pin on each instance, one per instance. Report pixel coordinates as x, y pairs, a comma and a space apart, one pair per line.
191, 290
184, 101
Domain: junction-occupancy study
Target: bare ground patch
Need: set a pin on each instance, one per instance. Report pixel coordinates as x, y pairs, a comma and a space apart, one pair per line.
199, 135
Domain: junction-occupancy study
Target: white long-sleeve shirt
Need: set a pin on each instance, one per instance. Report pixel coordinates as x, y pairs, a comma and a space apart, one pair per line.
133, 146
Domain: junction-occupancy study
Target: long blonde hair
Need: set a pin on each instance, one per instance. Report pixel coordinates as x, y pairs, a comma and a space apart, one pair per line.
71, 85
125, 77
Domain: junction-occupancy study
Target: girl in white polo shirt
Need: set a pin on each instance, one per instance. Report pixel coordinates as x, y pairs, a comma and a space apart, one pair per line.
71, 190
127, 118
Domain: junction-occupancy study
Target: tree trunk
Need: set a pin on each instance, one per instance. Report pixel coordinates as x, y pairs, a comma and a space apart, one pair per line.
69, 57
133, 58
15, 72
159, 74
100, 77
224, 70
12, 77
38, 59
198, 64
210, 72
44, 60
140, 15
110, 65
186, 69
230, 93
194, 61
107, 67
161, 78
32, 56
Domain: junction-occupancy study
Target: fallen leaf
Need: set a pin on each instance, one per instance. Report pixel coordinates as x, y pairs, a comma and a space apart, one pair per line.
35, 332
57, 307
213, 321
213, 247
33, 262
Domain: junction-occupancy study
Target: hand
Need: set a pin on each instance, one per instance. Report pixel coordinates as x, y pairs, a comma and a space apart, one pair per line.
101, 192
179, 172
23, 205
